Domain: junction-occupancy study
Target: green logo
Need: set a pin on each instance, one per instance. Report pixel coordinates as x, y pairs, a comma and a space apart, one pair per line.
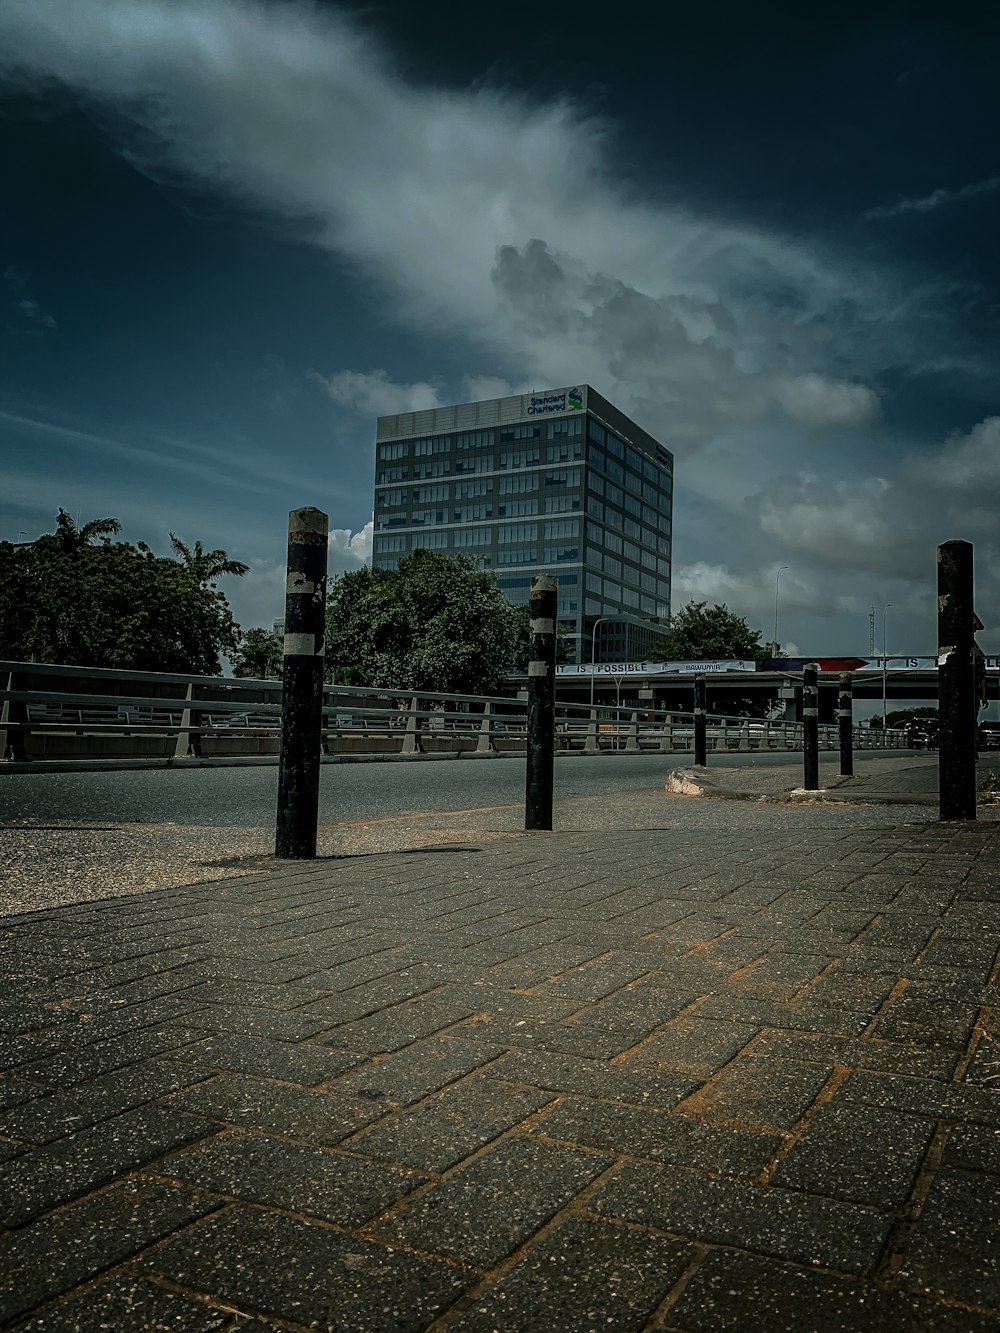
574, 400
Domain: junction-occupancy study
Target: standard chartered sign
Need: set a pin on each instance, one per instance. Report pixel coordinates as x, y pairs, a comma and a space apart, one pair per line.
558, 400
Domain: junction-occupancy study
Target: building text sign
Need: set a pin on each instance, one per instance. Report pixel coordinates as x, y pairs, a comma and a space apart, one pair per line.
652, 668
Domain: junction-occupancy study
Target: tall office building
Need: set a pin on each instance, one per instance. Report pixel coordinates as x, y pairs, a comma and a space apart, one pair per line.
560, 482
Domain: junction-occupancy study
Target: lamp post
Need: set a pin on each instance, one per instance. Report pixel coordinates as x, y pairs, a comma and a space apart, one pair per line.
885, 670
777, 647
593, 653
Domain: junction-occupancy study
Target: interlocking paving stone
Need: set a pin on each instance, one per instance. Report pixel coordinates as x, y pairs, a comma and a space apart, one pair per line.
973, 1147
953, 1251
854, 1152
54, 1115
311, 1274
741, 1293
594, 1078
666, 1136
66, 1068
583, 1276
920, 1096
126, 1303
266, 1057
487, 1209
694, 1045
753, 1090
533, 1034
95, 1156
417, 1070
764, 1219
392, 1028
321, 1117
445, 1130
80, 1242
297, 1178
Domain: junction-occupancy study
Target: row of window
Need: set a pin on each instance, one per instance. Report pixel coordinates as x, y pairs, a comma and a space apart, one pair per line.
567, 428
442, 467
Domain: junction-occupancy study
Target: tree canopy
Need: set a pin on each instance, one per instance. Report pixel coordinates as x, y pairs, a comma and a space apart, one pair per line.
70, 599
699, 632
436, 623
257, 654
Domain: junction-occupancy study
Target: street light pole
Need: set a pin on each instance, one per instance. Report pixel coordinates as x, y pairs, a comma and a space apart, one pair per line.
776, 578
593, 653
885, 670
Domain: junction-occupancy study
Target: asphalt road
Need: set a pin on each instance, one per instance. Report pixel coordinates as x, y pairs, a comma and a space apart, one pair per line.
246, 797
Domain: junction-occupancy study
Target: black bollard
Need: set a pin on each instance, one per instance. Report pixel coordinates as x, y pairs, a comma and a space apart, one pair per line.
810, 727
700, 722
957, 701
540, 769
845, 715
302, 688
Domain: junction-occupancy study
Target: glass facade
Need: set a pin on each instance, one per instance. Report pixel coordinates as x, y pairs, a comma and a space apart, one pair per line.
585, 495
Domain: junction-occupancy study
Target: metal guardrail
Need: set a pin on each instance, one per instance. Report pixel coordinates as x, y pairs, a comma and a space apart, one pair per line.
73, 713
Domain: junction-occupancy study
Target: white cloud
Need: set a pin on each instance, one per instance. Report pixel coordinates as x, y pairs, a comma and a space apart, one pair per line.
478, 214
375, 394
350, 550
939, 198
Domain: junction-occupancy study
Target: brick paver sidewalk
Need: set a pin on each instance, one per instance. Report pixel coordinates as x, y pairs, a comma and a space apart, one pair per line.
637, 1080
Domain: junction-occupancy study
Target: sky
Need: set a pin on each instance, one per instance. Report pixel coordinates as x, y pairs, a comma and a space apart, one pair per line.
234, 232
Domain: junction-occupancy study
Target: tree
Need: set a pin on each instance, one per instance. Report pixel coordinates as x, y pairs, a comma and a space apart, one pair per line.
205, 565
257, 654
698, 633
113, 604
437, 623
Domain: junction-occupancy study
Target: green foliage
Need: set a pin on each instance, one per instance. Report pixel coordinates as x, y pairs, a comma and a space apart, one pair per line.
113, 604
437, 623
257, 654
701, 633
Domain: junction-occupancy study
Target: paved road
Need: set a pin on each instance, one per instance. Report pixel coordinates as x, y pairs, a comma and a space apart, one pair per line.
246, 797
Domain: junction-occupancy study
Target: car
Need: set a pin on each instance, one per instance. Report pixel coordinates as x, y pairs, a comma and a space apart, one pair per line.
916, 736
989, 735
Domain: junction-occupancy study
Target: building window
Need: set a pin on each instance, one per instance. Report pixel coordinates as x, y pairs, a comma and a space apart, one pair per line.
478, 463
440, 468
517, 555
555, 554
615, 446
518, 485
517, 508
432, 444
517, 532
663, 567
594, 507
421, 516
561, 504
597, 433
631, 576
472, 537
389, 545
562, 527
632, 552
569, 426
613, 518
633, 530
648, 559
465, 490
514, 458
392, 474
615, 495
387, 452
432, 541
564, 453
612, 566
428, 494
633, 483
595, 534
613, 543
614, 470
474, 439
567, 476
389, 499
474, 513
510, 434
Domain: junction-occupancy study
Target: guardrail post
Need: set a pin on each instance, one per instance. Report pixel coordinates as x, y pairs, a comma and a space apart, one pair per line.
486, 744
632, 741
411, 737
700, 723
13, 742
845, 717
667, 734
188, 741
957, 702
302, 692
540, 769
592, 745
810, 727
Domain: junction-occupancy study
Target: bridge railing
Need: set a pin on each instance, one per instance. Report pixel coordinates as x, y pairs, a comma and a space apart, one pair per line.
50, 712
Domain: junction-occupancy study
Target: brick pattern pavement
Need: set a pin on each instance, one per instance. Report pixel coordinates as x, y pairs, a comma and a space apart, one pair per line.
635, 1081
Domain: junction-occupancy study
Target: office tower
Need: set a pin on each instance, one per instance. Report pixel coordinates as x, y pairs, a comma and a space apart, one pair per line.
559, 482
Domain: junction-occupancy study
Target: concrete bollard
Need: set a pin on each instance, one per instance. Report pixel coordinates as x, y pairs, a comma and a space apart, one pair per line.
540, 769
957, 702
845, 718
810, 727
700, 722
302, 688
